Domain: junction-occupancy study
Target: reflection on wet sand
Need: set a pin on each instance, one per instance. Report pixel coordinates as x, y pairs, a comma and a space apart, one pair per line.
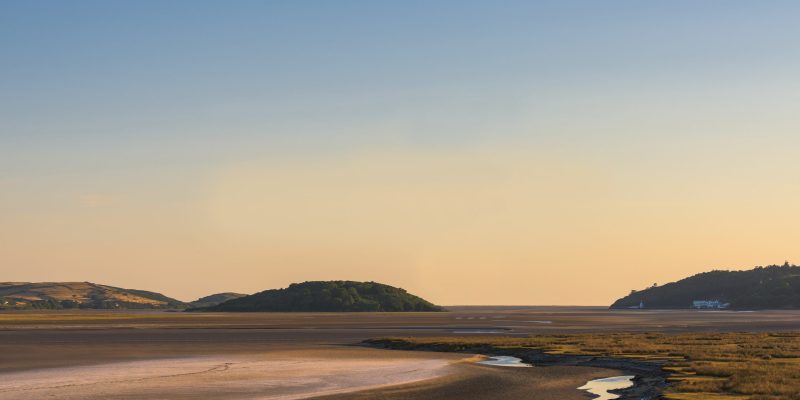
504, 361
601, 387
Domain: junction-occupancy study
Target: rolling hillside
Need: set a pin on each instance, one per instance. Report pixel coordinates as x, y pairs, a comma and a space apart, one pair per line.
215, 299
60, 295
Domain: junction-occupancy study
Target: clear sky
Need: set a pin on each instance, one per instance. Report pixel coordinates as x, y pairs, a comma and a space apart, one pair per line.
473, 152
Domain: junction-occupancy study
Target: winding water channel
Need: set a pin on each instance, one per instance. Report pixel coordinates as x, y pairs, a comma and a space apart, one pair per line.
600, 387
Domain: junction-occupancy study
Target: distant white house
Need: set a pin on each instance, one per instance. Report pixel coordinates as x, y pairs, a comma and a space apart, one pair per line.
712, 304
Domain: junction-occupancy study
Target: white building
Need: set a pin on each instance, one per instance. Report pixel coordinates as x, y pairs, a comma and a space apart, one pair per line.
713, 304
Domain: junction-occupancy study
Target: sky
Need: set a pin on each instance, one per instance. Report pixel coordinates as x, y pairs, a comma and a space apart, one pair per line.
472, 152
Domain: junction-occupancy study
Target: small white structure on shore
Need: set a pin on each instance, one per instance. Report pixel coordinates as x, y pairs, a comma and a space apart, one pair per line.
640, 306
712, 304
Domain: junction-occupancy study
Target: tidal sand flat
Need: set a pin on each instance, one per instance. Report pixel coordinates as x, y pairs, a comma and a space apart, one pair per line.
258, 355
474, 381
288, 375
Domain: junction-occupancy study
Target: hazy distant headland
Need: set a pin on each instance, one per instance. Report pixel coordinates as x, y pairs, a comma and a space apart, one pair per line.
771, 287
329, 296
214, 299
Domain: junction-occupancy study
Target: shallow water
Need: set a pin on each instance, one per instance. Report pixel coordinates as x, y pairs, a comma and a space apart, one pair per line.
505, 361
600, 387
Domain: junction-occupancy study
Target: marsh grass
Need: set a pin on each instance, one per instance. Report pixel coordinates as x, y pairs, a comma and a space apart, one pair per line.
756, 366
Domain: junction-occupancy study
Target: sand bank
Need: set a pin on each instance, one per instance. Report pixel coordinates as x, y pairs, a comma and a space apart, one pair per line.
282, 376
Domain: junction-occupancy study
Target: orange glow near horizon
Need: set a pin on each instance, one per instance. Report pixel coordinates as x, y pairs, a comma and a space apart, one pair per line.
476, 227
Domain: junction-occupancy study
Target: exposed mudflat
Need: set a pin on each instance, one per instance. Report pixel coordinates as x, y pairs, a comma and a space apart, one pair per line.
647, 376
482, 382
168, 355
278, 375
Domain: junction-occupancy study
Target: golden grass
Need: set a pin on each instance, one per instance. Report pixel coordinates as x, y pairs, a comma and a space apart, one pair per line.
704, 396
756, 366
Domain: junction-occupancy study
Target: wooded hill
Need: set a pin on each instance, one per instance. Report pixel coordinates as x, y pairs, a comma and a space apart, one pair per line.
329, 296
774, 286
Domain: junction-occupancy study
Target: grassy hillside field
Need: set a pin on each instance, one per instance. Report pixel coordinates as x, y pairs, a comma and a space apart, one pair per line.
68, 295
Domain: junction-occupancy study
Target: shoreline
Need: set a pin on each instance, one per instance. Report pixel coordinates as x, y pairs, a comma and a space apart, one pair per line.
683, 342
648, 382
286, 375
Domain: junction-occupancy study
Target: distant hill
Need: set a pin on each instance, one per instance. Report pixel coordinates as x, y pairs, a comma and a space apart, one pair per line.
329, 296
773, 286
215, 299
59, 295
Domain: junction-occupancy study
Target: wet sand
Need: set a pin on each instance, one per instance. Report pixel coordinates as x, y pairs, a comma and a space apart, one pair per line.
502, 319
479, 382
282, 375
196, 356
